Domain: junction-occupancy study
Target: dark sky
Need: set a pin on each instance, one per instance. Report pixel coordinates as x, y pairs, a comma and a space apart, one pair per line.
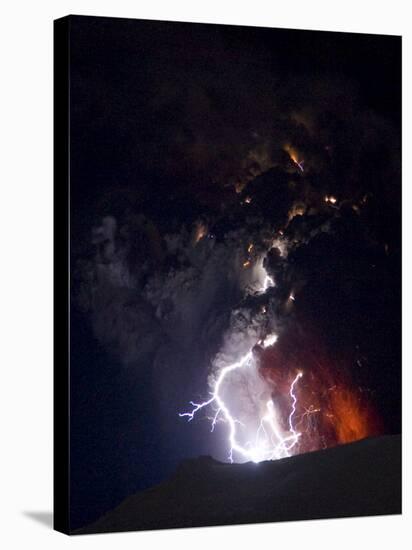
165, 119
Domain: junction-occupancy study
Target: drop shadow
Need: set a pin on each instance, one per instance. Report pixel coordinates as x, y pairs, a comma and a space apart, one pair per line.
44, 518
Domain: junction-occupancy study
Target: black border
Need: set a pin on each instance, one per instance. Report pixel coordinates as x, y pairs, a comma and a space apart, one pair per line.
61, 422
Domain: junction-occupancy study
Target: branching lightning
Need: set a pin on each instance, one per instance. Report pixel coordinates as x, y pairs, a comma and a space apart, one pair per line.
270, 441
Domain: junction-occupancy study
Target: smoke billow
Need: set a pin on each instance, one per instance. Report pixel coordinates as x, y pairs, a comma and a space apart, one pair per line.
252, 176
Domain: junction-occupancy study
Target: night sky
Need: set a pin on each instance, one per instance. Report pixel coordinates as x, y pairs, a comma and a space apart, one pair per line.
185, 140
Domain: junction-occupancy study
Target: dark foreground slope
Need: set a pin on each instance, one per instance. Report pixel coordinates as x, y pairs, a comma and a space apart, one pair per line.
362, 478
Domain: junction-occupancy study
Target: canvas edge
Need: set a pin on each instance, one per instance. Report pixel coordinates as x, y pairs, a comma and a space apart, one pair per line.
61, 276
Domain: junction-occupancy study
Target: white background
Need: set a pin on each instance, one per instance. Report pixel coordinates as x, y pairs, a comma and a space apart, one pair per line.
26, 269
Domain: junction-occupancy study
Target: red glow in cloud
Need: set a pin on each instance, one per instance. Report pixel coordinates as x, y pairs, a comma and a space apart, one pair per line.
330, 410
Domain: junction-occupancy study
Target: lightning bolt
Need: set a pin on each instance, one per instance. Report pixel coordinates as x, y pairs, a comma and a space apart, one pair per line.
267, 282
300, 164
269, 441
273, 445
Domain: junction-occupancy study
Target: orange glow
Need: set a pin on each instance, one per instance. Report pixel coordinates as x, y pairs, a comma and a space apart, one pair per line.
292, 152
330, 410
350, 421
200, 232
296, 210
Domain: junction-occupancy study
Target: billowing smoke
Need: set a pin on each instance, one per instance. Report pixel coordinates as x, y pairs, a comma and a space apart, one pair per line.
268, 216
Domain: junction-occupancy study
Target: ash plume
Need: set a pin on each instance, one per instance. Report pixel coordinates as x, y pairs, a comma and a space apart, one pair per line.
251, 177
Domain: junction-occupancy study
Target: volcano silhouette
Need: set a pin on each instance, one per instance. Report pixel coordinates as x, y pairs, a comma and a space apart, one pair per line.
358, 479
